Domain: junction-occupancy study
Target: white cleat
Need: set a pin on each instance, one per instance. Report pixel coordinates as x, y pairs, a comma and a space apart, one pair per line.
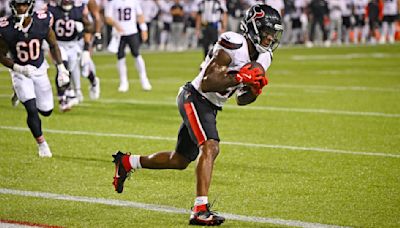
79, 95
44, 150
64, 105
72, 101
146, 86
123, 88
94, 91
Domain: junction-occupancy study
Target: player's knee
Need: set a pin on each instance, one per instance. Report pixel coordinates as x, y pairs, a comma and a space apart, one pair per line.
30, 106
182, 165
45, 113
210, 148
120, 55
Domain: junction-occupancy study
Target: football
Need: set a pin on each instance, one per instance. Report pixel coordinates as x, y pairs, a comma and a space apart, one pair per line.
258, 65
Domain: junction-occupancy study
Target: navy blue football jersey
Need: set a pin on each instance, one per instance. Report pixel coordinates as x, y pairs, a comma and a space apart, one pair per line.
64, 22
26, 47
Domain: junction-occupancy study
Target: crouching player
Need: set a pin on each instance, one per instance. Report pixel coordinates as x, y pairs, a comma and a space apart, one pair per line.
22, 35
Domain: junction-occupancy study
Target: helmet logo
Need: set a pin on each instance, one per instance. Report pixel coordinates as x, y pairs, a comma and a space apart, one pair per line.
259, 14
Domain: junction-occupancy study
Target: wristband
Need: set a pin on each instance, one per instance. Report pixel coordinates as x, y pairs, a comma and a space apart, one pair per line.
143, 27
61, 67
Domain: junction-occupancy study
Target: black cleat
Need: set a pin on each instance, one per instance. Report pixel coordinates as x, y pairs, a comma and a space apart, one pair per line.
202, 216
121, 170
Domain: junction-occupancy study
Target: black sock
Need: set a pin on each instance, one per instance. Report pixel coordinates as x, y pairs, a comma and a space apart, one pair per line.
33, 120
91, 78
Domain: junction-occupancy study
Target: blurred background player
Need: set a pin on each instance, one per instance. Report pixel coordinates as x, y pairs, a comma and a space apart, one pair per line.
347, 24
360, 28
390, 13
223, 73
96, 40
123, 16
336, 8
151, 12
69, 23
319, 14
211, 20
374, 16
22, 35
177, 26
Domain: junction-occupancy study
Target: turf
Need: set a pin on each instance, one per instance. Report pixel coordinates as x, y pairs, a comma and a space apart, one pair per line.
320, 145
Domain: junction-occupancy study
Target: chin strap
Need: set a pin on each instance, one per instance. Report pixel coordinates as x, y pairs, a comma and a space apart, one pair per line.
20, 24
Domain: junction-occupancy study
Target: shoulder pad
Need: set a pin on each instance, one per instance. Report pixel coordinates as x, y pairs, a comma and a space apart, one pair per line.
4, 22
43, 14
231, 40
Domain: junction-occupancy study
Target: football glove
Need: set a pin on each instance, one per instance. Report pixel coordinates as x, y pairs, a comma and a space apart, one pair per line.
85, 58
98, 41
79, 26
62, 76
259, 84
26, 70
249, 76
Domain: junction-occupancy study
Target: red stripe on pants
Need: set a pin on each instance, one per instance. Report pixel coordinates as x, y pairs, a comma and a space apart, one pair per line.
194, 123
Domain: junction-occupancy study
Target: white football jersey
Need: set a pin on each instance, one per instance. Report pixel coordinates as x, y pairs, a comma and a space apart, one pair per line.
390, 7
359, 6
347, 11
235, 45
124, 12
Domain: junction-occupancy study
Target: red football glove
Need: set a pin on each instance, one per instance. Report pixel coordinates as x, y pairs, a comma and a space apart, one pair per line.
247, 75
259, 84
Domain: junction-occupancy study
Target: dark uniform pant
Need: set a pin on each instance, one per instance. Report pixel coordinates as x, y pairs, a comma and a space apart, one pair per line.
199, 122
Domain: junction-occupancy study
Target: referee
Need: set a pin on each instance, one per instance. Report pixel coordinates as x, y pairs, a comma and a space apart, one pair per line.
211, 18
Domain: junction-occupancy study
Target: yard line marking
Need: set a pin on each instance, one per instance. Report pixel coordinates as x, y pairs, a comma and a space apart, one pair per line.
344, 56
266, 108
340, 88
160, 208
285, 147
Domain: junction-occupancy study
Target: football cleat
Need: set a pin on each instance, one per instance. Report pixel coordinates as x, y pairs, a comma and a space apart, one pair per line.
123, 170
94, 90
64, 105
44, 150
202, 216
79, 95
146, 86
123, 87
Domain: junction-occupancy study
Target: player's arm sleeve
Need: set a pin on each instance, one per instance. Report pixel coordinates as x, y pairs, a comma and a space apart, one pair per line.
54, 49
265, 59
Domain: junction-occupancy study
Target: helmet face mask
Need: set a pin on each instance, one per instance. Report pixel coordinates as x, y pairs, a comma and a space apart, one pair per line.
262, 22
66, 5
20, 17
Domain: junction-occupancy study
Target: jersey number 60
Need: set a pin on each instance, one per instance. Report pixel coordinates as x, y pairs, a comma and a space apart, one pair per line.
28, 51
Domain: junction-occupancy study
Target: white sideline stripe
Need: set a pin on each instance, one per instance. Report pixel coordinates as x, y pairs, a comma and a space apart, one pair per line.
321, 150
267, 108
344, 56
159, 208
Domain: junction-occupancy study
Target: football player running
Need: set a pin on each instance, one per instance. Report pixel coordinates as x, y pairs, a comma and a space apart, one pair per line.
87, 64
223, 73
70, 21
22, 35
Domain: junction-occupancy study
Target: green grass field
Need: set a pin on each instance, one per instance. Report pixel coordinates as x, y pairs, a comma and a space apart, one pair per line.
321, 146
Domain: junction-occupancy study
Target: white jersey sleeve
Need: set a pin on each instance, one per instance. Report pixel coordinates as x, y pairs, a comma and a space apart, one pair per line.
235, 45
